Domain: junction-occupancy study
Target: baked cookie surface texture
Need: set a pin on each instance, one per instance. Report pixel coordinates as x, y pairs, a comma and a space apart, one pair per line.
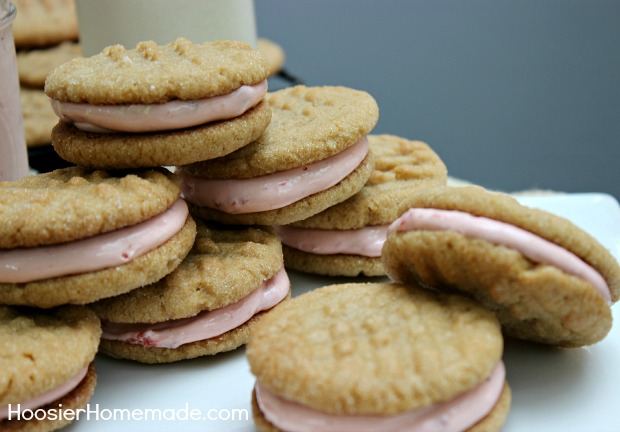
547, 280
314, 154
75, 235
378, 356
158, 105
47, 365
207, 305
346, 239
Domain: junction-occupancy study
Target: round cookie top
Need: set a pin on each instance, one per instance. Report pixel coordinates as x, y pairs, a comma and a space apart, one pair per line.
401, 167
374, 348
151, 73
308, 124
35, 344
504, 208
225, 265
74, 203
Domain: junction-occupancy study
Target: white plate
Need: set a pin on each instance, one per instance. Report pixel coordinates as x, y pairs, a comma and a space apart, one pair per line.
553, 389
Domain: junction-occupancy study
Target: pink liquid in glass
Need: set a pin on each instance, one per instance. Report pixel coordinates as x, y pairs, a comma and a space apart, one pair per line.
13, 152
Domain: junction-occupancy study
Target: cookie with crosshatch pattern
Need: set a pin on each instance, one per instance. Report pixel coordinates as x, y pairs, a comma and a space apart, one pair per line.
374, 356
207, 305
313, 155
158, 105
74, 236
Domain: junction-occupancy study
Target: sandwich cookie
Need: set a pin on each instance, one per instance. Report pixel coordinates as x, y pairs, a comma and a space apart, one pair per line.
47, 365
44, 23
547, 280
76, 236
313, 155
378, 357
206, 306
158, 105
346, 239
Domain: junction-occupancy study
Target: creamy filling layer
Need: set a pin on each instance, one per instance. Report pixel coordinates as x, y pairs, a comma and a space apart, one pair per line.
94, 253
454, 415
44, 398
367, 241
530, 245
273, 191
205, 325
176, 114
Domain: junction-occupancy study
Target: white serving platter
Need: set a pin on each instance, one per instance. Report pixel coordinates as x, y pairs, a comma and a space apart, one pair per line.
563, 390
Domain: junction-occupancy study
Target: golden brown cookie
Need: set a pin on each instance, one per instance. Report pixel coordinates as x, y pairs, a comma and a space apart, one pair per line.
42, 23
154, 74
39, 117
274, 54
275, 179
35, 362
224, 275
158, 105
346, 239
34, 65
548, 297
134, 223
376, 351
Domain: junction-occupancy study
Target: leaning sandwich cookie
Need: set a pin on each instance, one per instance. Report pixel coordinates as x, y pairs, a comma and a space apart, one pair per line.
47, 365
207, 305
313, 154
369, 357
158, 105
74, 236
547, 280
346, 239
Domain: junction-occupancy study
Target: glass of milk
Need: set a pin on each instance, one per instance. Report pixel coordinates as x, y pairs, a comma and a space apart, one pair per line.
127, 22
13, 152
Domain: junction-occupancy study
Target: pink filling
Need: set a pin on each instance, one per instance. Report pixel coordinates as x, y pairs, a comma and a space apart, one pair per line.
46, 397
205, 325
367, 241
530, 245
94, 253
457, 414
273, 191
159, 117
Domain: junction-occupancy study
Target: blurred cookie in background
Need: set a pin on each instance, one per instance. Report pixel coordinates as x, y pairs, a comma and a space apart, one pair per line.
34, 65
41, 23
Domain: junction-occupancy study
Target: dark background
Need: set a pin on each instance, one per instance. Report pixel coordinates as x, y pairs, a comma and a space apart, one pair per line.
512, 95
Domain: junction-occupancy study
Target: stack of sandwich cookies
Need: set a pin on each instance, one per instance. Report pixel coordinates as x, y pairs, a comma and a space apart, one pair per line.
76, 236
547, 280
47, 365
313, 155
206, 306
156, 105
45, 32
346, 239
378, 357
